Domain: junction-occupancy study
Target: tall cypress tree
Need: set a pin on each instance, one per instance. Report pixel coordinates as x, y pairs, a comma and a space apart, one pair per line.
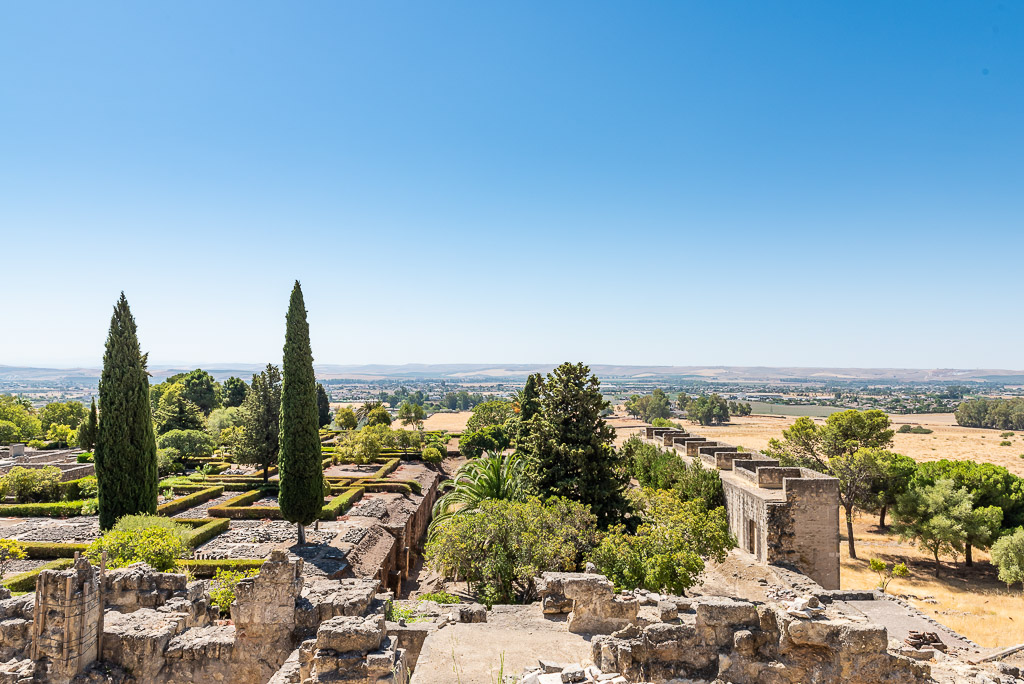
301, 495
126, 470
323, 403
528, 408
87, 432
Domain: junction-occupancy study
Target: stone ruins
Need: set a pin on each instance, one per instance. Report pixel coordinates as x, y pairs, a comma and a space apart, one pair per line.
786, 516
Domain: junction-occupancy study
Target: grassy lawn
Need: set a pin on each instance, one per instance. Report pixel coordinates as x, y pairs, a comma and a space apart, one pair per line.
969, 600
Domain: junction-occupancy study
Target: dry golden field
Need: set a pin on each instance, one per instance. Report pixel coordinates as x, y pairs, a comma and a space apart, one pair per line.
971, 601
452, 422
948, 440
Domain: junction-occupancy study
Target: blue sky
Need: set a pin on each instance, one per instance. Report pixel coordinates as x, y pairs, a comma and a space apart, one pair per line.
818, 183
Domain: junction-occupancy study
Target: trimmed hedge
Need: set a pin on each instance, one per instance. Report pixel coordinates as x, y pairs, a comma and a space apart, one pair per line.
340, 504
58, 509
52, 550
26, 581
398, 486
208, 568
233, 507
204, 529
186, 502
389, 467
237, 508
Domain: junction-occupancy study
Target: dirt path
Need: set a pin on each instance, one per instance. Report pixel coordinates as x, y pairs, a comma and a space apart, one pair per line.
900, 620
520, 634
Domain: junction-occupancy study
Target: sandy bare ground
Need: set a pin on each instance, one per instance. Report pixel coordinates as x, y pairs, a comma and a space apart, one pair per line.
452, 422
948, 440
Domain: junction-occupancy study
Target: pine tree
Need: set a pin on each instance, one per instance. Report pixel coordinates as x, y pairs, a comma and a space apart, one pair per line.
126, 470
261, 421
87, 432
301, 470
570, 444
323, 403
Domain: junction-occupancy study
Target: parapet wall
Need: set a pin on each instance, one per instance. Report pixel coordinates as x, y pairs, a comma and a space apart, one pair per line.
777, 514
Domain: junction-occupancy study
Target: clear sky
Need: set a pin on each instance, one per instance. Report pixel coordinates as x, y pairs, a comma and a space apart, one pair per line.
812, 183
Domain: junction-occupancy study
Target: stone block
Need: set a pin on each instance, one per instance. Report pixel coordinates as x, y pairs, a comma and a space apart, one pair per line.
344, 634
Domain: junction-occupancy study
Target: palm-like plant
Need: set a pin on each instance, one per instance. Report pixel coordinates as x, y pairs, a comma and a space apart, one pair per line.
363, 411
493, 476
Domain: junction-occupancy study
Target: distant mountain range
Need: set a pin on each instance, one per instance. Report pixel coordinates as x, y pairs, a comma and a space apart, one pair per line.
473, 371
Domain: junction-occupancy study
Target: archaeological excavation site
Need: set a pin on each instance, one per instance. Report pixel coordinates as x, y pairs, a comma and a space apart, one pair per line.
351, 604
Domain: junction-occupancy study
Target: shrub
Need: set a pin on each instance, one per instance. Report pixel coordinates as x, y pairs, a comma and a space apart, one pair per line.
670, 545
10, 550
90, 507
33, 485
501, 546
58, 509
86, 457
160, 546
441, 597
432, 455
651, 466
82, 488
36, 444
222, 589
189, 443
885, 573
1008, 556
1006, 442
1004, 435
666, 423
168, 460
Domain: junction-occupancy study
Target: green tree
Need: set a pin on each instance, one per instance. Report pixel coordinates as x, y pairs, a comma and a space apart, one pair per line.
201, 389
9, 432
301, 494
261, 421
941, 517
345, 418
989, 485
502, 545
323, 405
490, 438
87, 431
570, 449
895, 472
668, 550
70, 413
176, 412
234, 391
1008, 556
221, 419
13, 410
494, 412
856, 473
126, 468
411, 414
188, 443
708, 410
378, 416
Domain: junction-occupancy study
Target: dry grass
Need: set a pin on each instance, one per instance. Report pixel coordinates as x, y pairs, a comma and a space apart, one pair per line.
948, 440
452, 422
971, 601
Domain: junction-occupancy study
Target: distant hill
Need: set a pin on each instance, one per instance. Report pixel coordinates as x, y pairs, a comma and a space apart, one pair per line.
469, 371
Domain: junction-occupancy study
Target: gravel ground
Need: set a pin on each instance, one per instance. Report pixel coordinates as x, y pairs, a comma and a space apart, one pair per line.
200, 510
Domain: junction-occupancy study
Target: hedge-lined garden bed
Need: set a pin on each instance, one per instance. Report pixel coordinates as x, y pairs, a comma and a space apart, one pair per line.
26, 581
58, 509
188, 501
240, 508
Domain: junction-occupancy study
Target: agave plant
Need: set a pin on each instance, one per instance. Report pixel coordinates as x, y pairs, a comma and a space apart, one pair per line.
492, 476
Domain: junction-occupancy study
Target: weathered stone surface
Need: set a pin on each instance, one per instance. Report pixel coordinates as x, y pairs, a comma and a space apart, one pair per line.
472, 612
344, 633
596, 608
140, 586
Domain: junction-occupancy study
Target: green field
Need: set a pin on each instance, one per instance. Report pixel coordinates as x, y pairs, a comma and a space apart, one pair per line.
783, 410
